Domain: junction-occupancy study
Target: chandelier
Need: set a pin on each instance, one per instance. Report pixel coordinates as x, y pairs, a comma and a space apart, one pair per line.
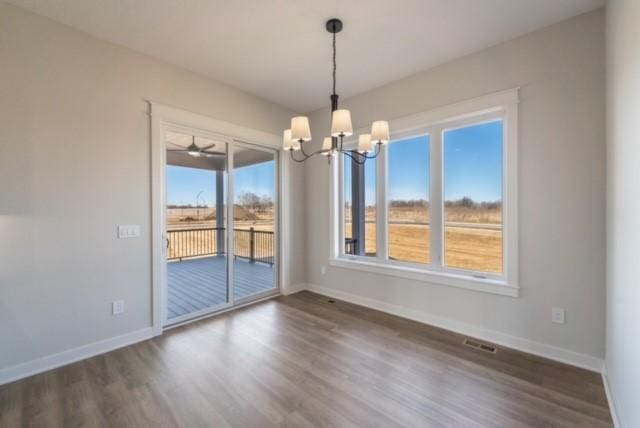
299, 135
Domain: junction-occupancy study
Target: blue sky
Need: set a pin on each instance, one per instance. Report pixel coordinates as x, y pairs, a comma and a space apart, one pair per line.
473, 162
183, 184
472, 166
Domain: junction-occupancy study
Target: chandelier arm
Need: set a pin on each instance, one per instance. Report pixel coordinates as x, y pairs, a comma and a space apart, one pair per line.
302, 149
293, 158
352, 154
308, 155
377, 152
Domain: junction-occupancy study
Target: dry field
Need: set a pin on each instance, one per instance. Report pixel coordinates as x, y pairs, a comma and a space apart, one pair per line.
204, 241
466, 247
192, 218
452, 214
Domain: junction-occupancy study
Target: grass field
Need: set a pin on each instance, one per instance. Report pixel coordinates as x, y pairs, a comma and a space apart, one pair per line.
465, 248
475, 246
204, 241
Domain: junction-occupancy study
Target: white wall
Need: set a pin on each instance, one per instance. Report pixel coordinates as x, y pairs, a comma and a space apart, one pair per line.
561, 189
74, 163
623, 208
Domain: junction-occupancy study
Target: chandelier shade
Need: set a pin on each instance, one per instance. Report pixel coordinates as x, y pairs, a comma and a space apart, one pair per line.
380, 131
300, 130
341, 123
288, 142
326, 146
364, 143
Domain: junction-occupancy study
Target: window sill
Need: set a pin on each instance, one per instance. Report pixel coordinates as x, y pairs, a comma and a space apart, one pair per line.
485, 285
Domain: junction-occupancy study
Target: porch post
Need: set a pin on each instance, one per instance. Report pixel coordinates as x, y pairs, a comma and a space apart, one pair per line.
220, 214
358, 207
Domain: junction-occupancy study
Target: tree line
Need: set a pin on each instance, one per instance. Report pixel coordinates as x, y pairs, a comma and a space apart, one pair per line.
465, 202
248, 200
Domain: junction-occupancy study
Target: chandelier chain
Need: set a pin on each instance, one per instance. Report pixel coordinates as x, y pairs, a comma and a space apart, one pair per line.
334, 63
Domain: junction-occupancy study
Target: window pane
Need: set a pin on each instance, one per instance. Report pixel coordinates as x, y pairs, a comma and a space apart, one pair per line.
360, 209
473, 197
408, 194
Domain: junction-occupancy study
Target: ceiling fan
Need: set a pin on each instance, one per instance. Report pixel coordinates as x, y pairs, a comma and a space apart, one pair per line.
194, 150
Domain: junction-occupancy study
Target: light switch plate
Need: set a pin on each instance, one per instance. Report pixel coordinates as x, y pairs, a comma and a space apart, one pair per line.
128, 231
117, 307
558, 315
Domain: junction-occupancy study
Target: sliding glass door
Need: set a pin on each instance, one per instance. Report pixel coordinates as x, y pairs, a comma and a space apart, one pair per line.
197, 267
255, 216
218, 254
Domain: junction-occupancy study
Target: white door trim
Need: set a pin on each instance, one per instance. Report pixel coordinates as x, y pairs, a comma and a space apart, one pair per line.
162, 116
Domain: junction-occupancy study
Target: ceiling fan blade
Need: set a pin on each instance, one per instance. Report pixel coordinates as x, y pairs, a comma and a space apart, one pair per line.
210, 154
175, 144
176, 150
206, 147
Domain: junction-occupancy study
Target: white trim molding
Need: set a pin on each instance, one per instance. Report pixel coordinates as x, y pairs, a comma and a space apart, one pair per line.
165, 117
610, 400
49, 362
493, 286
525, 345
294, 288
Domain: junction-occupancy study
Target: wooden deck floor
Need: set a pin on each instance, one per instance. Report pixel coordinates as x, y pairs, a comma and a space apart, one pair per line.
197, 284
302, 361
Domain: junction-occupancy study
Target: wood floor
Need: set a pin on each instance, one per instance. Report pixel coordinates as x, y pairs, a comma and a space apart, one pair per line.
301, 361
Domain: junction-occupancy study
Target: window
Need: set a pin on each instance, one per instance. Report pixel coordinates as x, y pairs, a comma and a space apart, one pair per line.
446, 185
473, 197
359, 217
408, 194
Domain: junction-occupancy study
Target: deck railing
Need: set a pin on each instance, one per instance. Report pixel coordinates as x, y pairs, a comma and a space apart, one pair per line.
251, 244
350, 245
255, 245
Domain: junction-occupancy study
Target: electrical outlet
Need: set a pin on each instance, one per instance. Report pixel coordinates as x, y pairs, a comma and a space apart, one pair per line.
323, 270
117, 307
558, 315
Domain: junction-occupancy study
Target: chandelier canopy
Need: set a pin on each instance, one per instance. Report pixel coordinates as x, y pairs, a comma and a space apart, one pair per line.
296, 138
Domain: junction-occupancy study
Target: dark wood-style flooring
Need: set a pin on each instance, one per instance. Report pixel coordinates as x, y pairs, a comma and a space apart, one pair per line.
301, 361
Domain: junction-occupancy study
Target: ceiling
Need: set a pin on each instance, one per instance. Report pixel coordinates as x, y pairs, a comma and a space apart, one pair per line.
242, 156
278, 49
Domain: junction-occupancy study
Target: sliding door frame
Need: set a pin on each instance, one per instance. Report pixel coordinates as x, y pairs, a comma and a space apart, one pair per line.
165, 118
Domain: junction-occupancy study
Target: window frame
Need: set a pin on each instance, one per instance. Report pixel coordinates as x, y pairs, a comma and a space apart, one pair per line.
497, 106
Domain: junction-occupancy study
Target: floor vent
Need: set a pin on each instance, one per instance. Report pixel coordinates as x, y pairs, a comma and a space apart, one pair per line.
478, 345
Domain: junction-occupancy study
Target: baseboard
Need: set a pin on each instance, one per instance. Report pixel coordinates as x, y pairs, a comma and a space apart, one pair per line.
612, 406
294, 288
525, 345
63, 358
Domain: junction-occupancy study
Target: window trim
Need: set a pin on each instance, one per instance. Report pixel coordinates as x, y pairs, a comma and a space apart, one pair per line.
500, 105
